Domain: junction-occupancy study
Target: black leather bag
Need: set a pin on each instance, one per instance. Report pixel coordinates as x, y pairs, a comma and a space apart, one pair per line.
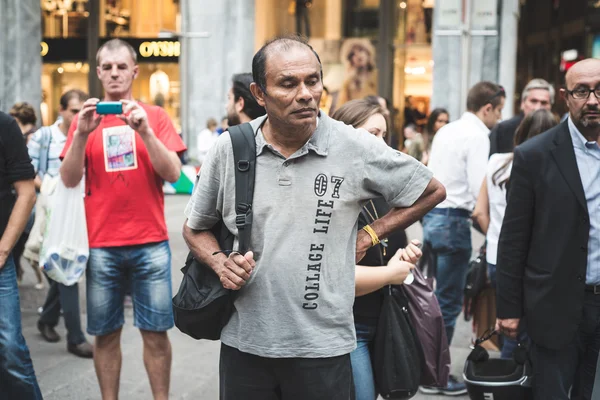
476, 282
202, 307
398, 355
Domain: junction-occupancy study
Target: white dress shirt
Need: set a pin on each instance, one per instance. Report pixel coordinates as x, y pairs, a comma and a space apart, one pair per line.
459, 156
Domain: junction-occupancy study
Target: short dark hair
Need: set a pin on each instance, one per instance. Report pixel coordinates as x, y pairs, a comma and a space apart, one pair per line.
68, 95
241, 88
24, 113
259, 62
484, 93
114, 44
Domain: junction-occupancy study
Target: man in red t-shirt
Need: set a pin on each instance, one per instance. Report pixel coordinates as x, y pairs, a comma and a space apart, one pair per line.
125, 157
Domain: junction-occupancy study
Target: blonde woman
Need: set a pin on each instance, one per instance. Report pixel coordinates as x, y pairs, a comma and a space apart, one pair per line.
392, 257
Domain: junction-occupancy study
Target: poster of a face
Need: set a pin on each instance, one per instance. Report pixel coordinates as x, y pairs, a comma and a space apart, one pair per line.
360, 79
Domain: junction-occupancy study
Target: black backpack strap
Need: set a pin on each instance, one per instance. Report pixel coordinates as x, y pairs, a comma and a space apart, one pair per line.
244, 155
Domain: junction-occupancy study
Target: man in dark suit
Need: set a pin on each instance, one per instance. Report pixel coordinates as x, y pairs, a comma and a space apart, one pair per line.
549, 250
537, 94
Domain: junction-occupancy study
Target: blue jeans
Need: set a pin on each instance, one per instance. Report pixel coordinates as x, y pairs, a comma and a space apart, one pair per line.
67, 297
362, 368
142, 270
450, 239
17, 377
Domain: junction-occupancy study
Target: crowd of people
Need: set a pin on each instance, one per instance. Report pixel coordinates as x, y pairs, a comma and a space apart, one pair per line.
331, 202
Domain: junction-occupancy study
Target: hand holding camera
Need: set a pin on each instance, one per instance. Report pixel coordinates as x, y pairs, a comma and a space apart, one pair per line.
87, 120
129, 111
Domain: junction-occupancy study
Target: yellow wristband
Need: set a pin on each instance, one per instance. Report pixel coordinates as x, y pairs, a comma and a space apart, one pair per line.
374, 239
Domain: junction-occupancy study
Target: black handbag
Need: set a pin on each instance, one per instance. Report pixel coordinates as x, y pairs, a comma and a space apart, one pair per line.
202, 306
397, 356
476, 281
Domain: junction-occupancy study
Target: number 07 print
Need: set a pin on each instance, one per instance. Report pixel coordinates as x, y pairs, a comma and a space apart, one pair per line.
120, 150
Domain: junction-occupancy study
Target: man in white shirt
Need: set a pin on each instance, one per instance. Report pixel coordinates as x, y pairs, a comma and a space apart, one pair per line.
458, 159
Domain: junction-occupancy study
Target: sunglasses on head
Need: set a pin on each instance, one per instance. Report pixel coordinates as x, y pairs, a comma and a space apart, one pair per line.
500, 92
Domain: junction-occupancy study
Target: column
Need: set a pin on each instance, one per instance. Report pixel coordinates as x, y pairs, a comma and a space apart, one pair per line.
20, 59
217, 41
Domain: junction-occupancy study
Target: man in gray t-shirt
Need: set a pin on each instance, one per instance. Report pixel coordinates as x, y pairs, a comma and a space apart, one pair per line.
292, 328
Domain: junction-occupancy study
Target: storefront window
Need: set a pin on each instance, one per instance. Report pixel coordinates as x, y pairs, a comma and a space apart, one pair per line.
64, 18
362, 18
159, 84
57, 78
146, 18
413, 59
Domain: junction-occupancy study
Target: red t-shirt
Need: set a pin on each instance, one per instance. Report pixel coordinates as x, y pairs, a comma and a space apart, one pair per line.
124, 202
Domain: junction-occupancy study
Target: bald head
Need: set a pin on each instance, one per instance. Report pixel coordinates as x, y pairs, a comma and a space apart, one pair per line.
583, 70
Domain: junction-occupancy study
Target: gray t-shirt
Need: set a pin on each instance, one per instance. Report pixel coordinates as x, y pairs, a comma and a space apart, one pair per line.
298, 300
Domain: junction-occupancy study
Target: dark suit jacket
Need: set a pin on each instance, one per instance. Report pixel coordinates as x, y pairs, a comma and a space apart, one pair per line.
542, 251
503, 135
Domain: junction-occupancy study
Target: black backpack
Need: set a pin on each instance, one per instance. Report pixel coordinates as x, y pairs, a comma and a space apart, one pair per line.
202, 307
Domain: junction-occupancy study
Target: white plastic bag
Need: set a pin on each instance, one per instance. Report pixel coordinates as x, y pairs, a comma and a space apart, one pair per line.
65, 250
33, 246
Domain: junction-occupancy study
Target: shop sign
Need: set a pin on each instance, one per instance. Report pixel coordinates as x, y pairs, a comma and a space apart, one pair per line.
75, 49
63, 50
161, 48
45, 48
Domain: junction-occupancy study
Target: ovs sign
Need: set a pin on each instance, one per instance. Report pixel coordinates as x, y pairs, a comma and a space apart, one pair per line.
160, 49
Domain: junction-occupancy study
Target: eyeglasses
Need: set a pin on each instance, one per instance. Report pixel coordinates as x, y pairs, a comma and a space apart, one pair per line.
583, 93
500, 92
